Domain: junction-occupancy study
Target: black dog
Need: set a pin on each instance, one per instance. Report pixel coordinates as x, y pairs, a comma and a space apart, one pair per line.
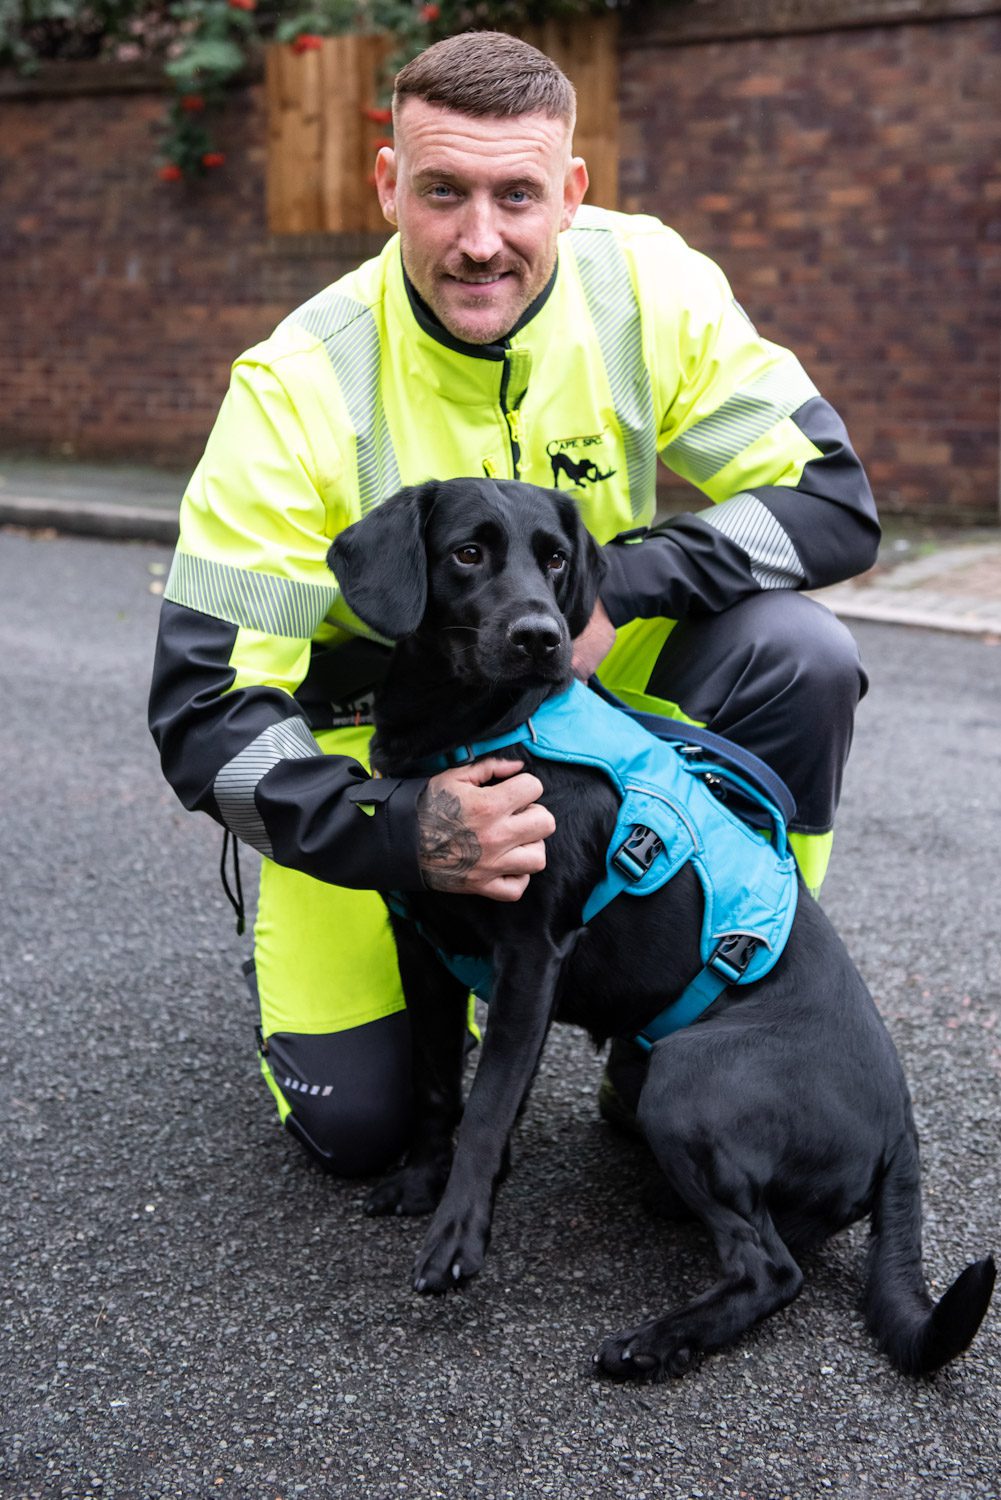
779, 1118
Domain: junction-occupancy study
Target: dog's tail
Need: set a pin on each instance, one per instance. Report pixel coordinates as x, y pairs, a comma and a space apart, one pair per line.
918, 1334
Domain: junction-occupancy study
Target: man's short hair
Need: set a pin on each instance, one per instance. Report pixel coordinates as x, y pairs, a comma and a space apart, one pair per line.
487, 73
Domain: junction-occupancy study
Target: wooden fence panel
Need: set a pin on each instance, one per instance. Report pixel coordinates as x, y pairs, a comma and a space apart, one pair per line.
292, 91
352, 66
587, 51
321, 149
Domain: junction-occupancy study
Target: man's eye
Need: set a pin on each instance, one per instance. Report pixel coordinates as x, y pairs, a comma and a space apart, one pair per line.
557, 562
469, 556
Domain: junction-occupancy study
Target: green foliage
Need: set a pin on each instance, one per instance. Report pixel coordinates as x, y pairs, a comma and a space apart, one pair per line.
204, 45
319, 18
33, 30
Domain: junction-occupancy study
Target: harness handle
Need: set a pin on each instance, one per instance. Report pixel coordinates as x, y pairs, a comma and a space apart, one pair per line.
725, 773
756, 770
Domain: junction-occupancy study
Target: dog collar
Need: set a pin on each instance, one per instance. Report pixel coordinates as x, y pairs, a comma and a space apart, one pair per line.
462, 755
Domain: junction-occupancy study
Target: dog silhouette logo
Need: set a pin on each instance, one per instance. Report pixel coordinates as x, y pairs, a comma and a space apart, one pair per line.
582, 472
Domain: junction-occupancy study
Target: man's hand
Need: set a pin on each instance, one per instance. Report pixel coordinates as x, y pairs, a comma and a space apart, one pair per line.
479, 840
593, 644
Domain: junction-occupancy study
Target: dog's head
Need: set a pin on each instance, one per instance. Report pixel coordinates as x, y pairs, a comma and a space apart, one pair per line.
496, 575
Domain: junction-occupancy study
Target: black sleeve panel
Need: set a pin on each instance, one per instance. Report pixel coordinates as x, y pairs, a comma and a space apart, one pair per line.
824, 529
197, 723
316, 824
684, 568
312, 821
830, 516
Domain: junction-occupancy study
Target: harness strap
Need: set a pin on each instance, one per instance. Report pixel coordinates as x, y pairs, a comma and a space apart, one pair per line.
727, 966
630, 862
693, 1000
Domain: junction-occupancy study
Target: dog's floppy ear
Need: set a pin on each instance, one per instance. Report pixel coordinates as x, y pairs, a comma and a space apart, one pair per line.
587, 571
381, 566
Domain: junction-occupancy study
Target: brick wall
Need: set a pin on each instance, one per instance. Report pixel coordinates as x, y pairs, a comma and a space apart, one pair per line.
848, 180
123, 300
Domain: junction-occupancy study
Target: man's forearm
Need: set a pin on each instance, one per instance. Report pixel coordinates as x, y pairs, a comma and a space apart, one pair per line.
807, 535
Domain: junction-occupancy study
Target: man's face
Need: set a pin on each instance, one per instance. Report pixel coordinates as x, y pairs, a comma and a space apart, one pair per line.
479, 203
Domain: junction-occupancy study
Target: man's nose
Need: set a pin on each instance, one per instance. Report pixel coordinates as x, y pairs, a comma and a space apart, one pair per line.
479, 235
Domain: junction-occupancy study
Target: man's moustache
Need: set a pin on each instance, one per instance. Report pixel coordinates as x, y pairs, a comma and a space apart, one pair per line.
473, 272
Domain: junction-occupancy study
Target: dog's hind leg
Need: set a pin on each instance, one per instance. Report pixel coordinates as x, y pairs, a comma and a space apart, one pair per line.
759, 1273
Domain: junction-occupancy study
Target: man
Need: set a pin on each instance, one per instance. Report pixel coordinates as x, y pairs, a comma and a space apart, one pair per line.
506, 331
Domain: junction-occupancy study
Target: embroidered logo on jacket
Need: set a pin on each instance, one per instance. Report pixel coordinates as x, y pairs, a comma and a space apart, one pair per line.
568, 458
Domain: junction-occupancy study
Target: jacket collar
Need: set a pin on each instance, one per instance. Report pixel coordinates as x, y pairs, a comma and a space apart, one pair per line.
436, 330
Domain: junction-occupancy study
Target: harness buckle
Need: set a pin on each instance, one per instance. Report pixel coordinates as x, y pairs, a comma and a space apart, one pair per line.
635, 855
732, 954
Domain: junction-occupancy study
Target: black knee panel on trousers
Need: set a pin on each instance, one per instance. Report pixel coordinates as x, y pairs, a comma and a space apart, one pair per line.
350, 1093
780, 675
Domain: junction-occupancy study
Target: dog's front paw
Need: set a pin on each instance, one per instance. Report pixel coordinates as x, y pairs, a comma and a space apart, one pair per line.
410, 1190
643, 1354
453, 1250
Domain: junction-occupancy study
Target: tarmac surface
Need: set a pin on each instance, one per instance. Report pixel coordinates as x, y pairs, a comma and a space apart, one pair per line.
189, 1309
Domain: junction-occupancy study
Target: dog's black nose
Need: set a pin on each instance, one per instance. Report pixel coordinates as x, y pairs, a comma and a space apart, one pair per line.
538, 636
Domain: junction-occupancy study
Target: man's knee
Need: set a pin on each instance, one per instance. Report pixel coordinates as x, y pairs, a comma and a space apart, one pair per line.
350, 1143
346, 1096
779, 674
804, 651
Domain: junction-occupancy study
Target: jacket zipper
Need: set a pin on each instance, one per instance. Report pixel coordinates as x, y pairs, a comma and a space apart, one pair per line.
513, 419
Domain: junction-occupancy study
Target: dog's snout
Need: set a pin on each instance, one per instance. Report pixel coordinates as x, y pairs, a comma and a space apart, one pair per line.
538, 636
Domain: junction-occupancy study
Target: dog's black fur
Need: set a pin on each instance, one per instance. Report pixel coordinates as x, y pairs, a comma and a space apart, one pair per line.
779, 1118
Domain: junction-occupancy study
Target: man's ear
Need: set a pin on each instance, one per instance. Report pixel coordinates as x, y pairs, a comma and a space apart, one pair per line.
587, 568
381, 565
385, 182
575, 185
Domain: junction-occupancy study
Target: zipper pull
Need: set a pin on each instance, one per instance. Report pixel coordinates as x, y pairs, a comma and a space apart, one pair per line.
514, 422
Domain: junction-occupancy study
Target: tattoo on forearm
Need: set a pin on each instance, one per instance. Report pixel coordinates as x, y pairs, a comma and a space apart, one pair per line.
448, 849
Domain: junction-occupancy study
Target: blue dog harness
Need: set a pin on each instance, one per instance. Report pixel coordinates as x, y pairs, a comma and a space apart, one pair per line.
669, 817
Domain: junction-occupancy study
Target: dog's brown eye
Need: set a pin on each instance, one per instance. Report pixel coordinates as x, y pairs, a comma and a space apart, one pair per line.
557, 562
468, 556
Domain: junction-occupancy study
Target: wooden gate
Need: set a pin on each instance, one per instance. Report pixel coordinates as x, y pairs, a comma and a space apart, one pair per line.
321, 147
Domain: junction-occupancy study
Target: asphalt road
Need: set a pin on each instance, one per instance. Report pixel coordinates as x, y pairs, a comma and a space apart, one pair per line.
189, 1309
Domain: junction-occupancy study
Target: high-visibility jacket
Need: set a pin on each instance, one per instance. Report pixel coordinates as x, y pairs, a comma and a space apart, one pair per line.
636, 347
